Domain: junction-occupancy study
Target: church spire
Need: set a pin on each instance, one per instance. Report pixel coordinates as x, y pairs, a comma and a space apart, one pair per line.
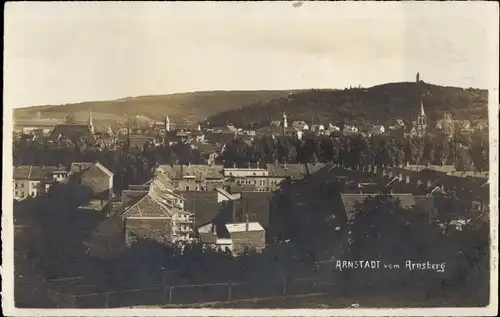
167, 123
91, 125
422, 112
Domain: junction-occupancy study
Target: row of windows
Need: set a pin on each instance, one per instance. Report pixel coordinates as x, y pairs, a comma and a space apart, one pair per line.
261, 182
253, 174
20, 194
238, 216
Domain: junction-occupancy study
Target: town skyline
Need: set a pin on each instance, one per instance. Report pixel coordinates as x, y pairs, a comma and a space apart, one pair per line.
250, 52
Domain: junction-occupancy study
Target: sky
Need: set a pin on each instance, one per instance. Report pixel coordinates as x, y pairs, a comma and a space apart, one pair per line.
64, 52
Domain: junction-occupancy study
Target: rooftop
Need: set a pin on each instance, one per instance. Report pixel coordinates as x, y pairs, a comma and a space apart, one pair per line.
29, 172
242, 227
200, 171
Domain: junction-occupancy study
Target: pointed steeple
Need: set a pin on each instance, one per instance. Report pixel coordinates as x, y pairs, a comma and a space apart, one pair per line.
109, 130
91, 125
422, 112
167, 123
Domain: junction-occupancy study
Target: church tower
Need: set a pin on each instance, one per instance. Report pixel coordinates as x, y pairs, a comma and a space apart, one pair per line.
167, 124
421, 121
91, 125
284, 124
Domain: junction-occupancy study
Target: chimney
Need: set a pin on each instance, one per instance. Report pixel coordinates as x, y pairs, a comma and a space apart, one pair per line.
407, 179
249, 165
234, 164
375, 169
276, 162
182, 171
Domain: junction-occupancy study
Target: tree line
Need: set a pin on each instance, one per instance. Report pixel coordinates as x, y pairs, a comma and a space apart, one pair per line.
135, 165
357, 151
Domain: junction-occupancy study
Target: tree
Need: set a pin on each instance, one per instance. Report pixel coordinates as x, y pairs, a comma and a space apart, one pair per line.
70, 118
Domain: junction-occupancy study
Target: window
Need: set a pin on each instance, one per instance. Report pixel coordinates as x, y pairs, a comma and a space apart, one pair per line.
253, 174
237, 216
16, 193
15, 185
22, 185
187, 188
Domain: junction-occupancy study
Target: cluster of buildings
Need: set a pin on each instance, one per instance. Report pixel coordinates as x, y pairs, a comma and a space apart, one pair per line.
95, 180
237, 209
214, 205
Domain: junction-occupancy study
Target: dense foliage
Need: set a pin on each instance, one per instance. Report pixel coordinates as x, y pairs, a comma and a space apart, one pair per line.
52, 233
360, 105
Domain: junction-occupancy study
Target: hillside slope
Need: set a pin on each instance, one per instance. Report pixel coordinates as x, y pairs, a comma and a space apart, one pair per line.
194, 106
376, 104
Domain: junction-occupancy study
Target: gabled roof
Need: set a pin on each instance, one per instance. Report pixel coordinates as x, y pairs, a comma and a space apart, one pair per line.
78, 167
147, 207
98, 166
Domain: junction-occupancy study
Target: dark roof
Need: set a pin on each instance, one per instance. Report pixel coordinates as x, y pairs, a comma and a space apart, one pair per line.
71, 131
350, 202
203, 204
29, 173
294, 171
132, 195
138, 187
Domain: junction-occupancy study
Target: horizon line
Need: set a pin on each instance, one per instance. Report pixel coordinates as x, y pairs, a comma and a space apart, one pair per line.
232, 90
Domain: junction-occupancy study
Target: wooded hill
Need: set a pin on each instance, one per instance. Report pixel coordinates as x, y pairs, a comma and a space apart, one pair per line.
381, 104
193, 106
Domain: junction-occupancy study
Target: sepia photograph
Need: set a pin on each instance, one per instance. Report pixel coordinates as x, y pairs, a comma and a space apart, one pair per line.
250, 158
